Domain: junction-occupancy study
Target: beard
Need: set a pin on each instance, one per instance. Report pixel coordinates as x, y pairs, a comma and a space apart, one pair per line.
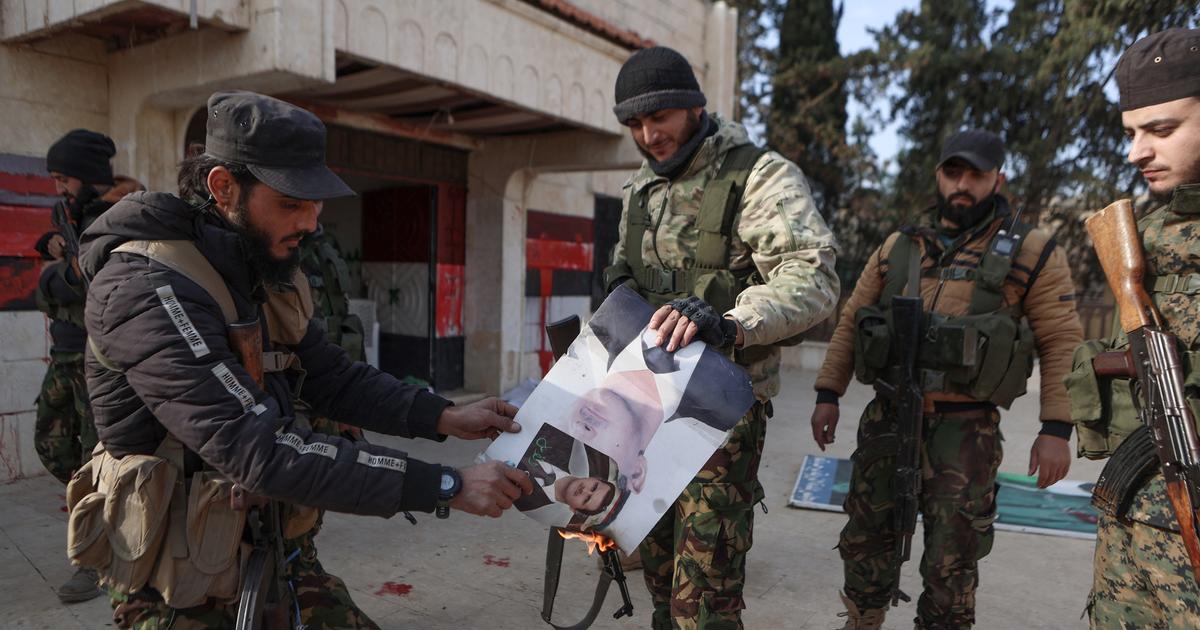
1191, 176
256, 246
964, 217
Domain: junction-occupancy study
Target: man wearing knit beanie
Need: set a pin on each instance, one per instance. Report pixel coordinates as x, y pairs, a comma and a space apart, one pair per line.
64, 434
1142, 575
723, 236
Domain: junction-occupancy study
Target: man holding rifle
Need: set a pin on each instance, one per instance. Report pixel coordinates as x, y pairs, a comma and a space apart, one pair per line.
64, 435
1143, 575
930, 441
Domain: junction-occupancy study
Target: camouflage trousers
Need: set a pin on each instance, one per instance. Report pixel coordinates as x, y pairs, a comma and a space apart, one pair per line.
322, 600
1142, 578
695, 557
959, 458
64, 434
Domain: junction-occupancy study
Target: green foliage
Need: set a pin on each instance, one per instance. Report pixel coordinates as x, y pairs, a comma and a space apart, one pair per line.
1036, 74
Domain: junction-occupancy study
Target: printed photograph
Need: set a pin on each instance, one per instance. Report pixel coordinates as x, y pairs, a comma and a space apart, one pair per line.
619, 426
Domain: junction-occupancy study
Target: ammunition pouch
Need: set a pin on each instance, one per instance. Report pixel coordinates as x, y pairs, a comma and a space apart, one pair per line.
136, 522
1125, 472
987, 356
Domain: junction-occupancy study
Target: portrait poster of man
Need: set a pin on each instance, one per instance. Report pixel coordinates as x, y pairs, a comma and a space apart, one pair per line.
619, 426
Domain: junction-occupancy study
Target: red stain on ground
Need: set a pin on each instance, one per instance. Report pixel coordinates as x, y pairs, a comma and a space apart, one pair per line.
493, 560
394, 588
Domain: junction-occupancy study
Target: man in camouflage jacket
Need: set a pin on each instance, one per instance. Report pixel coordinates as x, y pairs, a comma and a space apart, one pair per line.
1143, 578
768, 278
961, 446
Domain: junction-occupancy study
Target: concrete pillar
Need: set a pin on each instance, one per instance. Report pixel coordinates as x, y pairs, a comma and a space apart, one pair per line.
498, 180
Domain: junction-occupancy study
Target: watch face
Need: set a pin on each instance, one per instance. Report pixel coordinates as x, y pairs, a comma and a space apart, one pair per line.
447, 482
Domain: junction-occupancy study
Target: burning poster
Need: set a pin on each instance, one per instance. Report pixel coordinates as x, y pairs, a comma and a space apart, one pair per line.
618, 427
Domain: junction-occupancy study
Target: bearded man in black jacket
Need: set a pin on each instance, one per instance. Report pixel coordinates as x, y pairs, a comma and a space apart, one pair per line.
162, 369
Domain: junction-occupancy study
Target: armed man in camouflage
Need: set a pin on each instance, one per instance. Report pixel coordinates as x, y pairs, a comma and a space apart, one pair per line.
64, 434
1142, 575
980, 271
724, 237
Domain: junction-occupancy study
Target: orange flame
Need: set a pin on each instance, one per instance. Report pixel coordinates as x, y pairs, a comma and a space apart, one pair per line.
594, 541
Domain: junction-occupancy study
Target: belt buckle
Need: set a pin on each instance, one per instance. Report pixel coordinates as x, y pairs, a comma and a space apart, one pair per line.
666, 279
1191, 284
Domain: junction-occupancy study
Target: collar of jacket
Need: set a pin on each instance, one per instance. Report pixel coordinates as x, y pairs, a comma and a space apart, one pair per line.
1185, 200
728, 135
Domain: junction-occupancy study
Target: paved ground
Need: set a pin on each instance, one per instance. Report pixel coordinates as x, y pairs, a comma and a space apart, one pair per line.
478, 573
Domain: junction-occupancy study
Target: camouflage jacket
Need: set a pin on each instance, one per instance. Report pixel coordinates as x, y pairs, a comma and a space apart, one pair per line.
1040, 280
1171, 240
778, 231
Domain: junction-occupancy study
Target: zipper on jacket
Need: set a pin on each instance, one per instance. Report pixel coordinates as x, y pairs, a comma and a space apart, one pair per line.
662, 211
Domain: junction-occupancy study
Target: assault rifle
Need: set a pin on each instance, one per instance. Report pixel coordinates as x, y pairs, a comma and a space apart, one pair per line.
907, 408
61, 219
264, 599
1154, 364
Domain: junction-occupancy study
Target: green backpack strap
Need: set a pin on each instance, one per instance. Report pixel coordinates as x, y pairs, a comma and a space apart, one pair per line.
637, 223
721, 201
900, 267
997, 261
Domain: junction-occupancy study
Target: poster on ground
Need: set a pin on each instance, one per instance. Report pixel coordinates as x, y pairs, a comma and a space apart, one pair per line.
618, 426
1063, 509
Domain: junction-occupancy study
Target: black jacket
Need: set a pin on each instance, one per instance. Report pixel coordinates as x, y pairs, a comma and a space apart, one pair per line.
202, 396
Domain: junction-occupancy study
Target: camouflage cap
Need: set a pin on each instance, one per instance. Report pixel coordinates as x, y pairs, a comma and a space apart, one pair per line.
1159, 68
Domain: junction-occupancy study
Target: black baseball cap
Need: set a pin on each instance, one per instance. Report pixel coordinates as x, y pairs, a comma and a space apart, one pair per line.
982, 149
1160, 68
281, 144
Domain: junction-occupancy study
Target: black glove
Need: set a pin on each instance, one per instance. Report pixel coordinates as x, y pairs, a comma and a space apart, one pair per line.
713, 329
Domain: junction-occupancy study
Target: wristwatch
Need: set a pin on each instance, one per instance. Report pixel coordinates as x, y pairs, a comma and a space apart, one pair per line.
451, 484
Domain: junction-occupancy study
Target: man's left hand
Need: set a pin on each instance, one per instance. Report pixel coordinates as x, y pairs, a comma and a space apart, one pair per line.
483, 419
1050, 458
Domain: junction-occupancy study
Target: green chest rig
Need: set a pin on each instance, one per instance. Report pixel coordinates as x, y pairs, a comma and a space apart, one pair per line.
709, 276
986, 354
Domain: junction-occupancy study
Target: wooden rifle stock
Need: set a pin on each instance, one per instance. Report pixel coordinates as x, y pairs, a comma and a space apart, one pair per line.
1185, 515
1115, 238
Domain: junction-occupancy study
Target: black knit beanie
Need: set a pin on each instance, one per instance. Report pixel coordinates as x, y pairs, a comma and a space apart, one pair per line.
653, 79
84, 155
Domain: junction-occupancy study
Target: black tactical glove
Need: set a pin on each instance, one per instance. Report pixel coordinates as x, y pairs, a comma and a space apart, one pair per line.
712, 329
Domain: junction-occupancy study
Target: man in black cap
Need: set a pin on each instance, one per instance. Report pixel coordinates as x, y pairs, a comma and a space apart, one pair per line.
176, 283
723, 238
64, 435
1143, 578
979, 271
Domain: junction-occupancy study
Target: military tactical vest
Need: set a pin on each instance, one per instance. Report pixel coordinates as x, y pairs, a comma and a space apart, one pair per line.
986, 354
139, 520
1103, 408
329, 278
709, 276
71, 313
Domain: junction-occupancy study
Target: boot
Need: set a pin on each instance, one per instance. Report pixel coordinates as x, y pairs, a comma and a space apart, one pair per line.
80, 588
865, 620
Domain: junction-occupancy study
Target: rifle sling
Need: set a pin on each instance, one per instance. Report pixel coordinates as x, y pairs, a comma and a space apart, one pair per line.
554, 550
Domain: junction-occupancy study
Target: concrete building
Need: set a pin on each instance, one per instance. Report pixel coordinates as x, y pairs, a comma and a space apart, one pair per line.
478, 134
